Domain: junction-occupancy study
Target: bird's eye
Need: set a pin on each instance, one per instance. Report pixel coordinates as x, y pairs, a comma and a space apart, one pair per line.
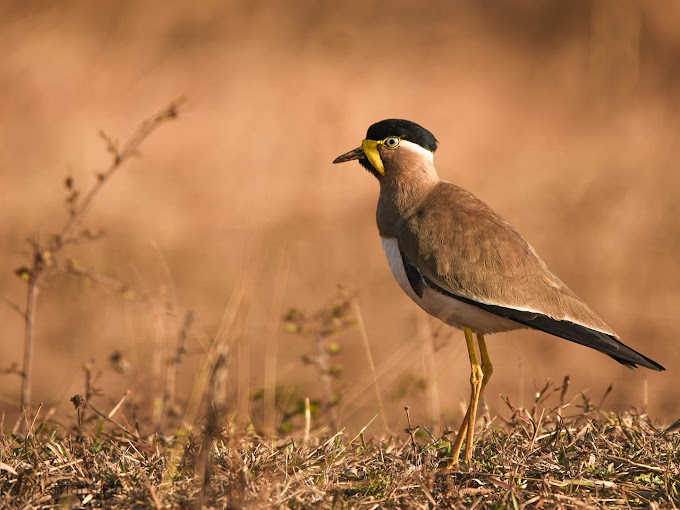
392, 142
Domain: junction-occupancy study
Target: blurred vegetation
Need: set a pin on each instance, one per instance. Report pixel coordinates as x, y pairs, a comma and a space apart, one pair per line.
562, 115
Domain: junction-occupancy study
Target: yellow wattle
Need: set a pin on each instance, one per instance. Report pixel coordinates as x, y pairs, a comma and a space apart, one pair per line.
370, 148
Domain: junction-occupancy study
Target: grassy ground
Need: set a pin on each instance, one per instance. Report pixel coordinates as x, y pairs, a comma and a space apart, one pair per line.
565, 458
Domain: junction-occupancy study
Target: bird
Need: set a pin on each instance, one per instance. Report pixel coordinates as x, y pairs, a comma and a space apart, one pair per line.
461, 262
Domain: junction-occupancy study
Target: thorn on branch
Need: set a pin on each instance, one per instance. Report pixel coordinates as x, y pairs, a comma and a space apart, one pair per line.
72, 195
172, 111
111, 144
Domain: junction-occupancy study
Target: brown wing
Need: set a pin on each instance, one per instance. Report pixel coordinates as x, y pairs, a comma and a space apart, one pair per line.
464, 248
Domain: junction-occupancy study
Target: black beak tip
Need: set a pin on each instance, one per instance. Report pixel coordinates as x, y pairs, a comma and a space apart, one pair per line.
357, 153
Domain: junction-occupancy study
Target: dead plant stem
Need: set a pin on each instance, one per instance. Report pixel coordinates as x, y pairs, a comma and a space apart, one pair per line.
371, 363
42, 264
29, 321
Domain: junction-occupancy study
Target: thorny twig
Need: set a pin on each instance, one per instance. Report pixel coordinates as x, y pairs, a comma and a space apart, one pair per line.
410, 431
44, 255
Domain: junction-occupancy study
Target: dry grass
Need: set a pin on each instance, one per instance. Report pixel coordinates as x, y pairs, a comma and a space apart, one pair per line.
589, 459
580, 157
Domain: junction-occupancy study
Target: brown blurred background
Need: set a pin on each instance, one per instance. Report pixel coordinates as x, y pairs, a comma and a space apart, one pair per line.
561, 115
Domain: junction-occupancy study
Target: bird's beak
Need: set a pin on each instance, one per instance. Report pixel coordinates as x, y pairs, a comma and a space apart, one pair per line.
357, 153
369, 151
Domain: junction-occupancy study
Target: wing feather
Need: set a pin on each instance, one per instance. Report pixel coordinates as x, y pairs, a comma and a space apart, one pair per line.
463, 248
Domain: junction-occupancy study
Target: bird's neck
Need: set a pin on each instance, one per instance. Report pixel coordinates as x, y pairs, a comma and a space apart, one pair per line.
400, 197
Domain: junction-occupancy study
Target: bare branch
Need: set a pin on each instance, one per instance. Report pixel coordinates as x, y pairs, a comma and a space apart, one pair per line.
129, 149
12, 305
75, 268
44, 256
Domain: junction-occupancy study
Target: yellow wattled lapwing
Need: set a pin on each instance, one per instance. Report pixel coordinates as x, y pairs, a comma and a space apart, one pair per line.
464, 264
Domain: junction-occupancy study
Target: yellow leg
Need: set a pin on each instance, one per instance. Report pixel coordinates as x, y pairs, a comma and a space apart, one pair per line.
487, 367
466, 431
479, 378
487, 370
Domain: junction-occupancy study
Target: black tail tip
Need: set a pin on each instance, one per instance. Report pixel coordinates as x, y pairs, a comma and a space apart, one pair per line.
642, 362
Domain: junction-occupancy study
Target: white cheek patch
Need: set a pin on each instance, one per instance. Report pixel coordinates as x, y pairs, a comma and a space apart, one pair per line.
423, 153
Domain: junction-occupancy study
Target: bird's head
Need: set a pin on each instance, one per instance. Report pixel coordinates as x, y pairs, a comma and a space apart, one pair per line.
392, 141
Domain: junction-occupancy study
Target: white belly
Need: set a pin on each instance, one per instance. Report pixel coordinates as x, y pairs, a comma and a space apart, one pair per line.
446, 308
